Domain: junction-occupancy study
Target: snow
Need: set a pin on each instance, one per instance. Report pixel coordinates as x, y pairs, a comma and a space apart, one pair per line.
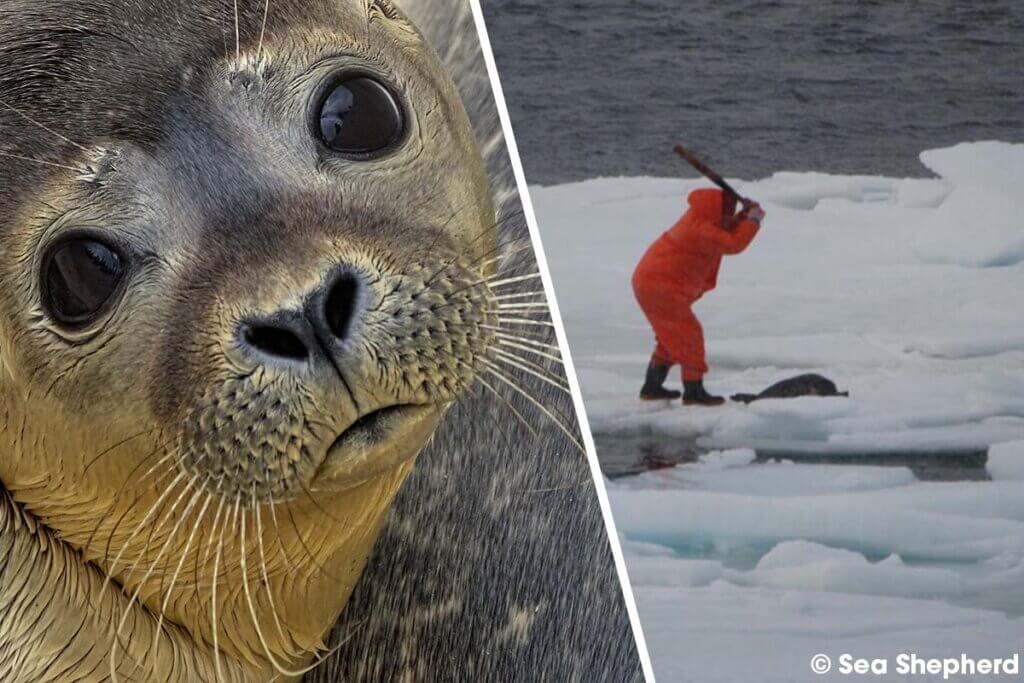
986, 180
1005, 461
907, 293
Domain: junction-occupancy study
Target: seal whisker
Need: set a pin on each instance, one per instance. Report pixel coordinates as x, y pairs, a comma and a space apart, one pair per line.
117, 497
331, 652
138, 527
540, 406
234, 526
213, 532
316, 503
521, 295
525, 321
504, 282
158, 527
442, 231
531, 369
497, 424
142, 479
487, 230
238, 39
309, 553
39, 161
213, 600
263, 30
528, 347
181, 560
280, 668
523, 308
523, 245
116, 446
46, 128
509, 405
524, 305
289, 563
490, 282
263, 566
135, 594
488, 257
492, 256
530, 350
197, 494
504, 330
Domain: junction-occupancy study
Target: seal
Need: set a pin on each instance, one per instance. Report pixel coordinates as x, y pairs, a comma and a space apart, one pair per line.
247, 269
809, 384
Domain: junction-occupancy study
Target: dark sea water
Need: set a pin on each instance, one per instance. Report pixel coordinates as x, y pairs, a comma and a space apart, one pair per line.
605, 87
623, 456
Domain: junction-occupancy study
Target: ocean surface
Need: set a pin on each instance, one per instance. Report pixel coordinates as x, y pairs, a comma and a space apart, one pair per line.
606, 87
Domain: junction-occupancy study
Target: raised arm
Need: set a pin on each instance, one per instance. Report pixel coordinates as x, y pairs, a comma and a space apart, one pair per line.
738, 238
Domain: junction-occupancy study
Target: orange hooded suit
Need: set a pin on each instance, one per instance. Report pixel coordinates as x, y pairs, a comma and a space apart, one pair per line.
679, 268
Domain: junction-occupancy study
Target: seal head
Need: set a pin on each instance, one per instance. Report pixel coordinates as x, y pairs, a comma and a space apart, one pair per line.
245, 274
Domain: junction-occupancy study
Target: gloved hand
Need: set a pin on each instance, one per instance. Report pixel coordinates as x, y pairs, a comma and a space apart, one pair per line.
754, 211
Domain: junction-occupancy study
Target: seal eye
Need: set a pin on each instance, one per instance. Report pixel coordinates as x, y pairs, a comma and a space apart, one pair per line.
81, 275
359, 117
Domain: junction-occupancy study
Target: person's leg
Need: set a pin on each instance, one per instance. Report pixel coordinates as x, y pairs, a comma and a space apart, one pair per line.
690, 345
691, 350
661, 360
680, 339
661, 354
657, 372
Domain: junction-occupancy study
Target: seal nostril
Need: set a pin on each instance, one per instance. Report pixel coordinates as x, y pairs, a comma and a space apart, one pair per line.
276, 341
341, 304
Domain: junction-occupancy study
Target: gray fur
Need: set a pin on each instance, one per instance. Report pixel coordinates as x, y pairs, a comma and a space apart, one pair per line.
809, 384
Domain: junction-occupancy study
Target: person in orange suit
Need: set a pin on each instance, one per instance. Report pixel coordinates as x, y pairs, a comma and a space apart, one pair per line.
680, 267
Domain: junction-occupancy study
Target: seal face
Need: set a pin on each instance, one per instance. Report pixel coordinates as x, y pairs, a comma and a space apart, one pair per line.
246, 272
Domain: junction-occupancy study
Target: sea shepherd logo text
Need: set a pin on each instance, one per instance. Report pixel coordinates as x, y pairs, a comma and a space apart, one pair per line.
909, 664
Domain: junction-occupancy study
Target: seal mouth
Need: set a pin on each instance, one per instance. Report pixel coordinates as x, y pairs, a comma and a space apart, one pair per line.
377, 441
371, 427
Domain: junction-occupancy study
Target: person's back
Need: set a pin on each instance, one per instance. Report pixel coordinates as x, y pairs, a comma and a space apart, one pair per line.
687, 256
675, 271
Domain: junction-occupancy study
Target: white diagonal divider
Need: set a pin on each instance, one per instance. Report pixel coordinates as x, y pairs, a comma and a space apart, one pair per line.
581, 414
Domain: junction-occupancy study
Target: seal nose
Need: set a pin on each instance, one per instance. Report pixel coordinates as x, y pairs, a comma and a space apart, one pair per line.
339, 306
278, 337
319, 328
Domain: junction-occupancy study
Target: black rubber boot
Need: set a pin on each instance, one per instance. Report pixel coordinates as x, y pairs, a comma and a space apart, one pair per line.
653, 389
696, 395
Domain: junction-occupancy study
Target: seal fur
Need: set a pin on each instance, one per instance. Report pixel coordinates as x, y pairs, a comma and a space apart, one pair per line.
156, 441
809, 384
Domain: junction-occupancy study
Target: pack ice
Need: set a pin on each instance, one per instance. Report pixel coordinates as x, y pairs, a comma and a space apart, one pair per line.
908, 293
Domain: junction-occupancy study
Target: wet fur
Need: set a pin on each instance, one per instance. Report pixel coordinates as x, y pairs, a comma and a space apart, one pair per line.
809, 384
